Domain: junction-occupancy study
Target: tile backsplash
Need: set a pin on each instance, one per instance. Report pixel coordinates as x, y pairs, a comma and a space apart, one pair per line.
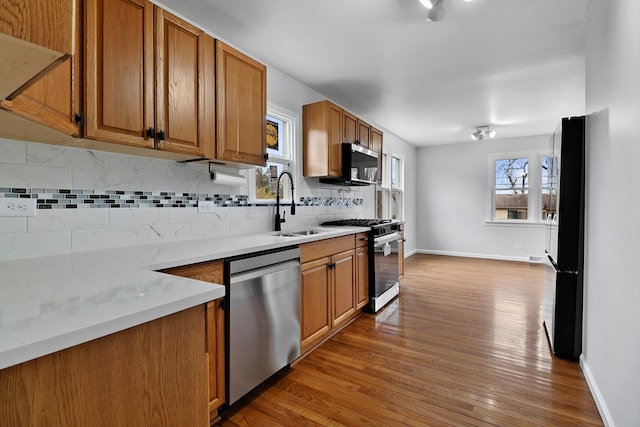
91, 200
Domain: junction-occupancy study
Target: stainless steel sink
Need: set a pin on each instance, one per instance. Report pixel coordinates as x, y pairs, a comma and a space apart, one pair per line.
300, 233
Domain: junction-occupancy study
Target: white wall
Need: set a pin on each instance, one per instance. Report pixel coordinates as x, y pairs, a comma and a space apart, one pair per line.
611, 351
453, 195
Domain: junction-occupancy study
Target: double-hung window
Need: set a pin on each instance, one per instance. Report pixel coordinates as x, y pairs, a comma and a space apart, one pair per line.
281, 131
390, 194
523, 187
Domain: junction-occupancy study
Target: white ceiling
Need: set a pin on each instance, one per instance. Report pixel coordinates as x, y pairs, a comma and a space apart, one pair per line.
517, 65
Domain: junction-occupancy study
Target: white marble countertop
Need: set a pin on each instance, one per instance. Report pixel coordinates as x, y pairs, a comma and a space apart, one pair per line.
51, 303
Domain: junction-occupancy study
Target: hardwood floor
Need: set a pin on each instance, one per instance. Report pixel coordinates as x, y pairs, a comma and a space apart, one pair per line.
463, 345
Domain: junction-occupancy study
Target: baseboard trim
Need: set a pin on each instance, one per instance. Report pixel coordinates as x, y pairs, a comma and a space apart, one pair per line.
408, 254
595, 392
472, 255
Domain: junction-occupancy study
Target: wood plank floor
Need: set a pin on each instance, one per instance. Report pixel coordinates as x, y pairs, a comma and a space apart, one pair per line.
463, 345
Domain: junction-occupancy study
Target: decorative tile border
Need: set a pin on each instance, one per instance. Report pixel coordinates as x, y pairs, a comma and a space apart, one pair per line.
86, 199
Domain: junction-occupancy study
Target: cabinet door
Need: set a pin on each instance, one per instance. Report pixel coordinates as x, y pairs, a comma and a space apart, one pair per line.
364, 137
213, 272
362, 277
343, 284
54, 100
119, 86
215, 351
314, 317
334, 135
349, 127
376, 145
241, 88
185, 92
322, 140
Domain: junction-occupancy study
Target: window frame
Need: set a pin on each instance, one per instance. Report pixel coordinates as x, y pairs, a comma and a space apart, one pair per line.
288, 160
386, 188
534, 188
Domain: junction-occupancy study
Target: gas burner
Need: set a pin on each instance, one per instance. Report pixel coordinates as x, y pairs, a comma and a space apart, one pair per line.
355, 222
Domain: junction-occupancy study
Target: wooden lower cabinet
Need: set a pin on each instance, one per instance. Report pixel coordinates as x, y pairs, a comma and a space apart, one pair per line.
342, 283
315, 321
213, 272
362, 277
329, 274
153, 374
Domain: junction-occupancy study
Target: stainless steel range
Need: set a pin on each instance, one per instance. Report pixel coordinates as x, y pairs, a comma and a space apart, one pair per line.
383, 258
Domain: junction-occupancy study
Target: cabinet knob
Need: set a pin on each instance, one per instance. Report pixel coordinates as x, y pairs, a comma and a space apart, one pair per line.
151, 133
162, 136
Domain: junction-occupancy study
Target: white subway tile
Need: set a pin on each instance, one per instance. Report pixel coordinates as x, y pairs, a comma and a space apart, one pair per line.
68, 219
188, 216
13, 151
27, 245
137, 164
207, 230
86, 240
105, 180
12, 225
125, 218
31, 176
55, 155
165, 233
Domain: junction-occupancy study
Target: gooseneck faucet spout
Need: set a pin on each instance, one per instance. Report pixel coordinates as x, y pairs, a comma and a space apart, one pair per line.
279, 220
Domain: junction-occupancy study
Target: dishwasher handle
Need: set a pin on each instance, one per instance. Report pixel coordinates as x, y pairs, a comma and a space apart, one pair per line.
264, 271
255, 261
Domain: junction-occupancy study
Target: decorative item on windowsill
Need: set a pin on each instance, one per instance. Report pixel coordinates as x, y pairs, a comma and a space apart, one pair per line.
226, 178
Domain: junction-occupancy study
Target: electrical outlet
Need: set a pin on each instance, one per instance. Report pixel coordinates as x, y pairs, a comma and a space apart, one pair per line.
17, 207
206, 206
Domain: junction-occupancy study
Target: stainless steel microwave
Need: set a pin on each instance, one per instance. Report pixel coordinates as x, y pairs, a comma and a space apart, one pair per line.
359, 166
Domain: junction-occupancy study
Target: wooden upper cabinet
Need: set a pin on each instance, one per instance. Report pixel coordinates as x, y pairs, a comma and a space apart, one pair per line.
34, 35
375, 144
119, 85
322, 140
150, 83
355, 130
364, 134
241, 87
185, 79
350, 127
55, 98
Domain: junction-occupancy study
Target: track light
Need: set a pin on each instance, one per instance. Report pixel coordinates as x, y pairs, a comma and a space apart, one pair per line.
482, 132
435, 8
427, 3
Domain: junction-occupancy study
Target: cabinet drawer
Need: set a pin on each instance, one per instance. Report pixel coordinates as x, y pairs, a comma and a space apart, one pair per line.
362, 239
324, 248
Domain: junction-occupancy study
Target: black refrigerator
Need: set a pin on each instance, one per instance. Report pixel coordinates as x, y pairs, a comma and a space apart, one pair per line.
564, 205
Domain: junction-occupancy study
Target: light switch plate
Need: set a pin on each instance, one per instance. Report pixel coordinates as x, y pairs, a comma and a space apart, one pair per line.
17, 207
206, 206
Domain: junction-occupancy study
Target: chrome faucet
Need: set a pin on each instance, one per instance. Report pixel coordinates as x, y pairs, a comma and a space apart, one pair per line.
293, 202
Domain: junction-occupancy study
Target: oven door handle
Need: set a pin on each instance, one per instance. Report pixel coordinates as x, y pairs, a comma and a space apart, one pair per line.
387, 238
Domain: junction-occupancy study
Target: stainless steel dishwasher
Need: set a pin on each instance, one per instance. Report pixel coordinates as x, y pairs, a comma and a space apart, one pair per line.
263, 317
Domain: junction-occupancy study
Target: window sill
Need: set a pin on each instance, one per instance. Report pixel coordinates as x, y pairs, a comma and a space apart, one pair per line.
516, 223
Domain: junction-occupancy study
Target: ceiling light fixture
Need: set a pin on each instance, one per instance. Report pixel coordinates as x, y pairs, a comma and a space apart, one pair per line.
435, 9
482, 132
427, 3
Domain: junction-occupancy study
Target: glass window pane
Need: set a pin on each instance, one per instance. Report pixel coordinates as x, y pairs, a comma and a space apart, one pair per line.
549, 174
266, 178
511, 188
394, 172
512, 175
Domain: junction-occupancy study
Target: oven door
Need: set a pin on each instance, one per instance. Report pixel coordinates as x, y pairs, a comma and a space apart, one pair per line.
384, 286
